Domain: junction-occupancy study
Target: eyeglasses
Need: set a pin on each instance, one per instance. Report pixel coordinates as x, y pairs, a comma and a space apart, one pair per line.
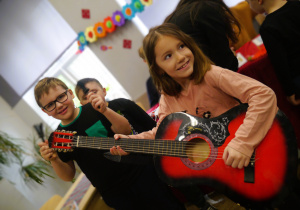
52, 105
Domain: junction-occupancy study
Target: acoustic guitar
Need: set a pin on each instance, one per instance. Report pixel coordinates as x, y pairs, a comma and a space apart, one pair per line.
188, 150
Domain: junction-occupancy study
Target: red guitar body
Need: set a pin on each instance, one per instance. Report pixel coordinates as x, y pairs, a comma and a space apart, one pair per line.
271, 172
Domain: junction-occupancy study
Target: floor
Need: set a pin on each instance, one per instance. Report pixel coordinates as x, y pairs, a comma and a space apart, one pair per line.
221, 202
224, 203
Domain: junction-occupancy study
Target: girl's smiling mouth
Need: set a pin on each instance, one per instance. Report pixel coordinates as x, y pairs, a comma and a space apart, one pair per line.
185, 65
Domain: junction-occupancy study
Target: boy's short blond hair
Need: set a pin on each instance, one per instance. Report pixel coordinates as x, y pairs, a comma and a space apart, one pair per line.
44, 85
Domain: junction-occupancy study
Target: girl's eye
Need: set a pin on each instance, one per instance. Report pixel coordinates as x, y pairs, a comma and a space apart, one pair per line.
167, 56
181, 46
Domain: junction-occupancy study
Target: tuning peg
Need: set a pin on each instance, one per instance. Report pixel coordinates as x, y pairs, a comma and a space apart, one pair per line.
74, 132
59, 150
65, 150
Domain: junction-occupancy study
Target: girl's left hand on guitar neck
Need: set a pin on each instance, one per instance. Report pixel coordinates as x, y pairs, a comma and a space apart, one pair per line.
117, 150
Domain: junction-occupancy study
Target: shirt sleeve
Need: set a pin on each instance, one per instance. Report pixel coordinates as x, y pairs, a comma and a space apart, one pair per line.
162, 113
142, 121
261, 111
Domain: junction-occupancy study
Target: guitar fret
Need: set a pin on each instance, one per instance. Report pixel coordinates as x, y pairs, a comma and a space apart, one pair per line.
100, 144
151, 146
159, 146
171, 146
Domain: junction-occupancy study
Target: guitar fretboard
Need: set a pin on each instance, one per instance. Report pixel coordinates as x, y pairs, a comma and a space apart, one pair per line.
146, 146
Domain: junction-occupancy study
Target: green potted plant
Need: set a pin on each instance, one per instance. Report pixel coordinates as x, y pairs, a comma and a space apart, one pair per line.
10, 152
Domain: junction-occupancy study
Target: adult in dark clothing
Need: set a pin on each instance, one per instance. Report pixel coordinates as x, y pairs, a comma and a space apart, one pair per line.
211, 24
280, 33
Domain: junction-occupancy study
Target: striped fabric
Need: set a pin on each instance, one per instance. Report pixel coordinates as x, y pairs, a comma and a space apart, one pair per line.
78, 192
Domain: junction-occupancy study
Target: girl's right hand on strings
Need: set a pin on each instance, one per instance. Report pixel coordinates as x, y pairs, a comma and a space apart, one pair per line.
234, 158
47, 153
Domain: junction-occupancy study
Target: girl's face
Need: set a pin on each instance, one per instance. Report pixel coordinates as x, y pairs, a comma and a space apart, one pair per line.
174, 58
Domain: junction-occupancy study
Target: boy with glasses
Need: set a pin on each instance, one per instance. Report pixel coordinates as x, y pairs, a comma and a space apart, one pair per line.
122, 185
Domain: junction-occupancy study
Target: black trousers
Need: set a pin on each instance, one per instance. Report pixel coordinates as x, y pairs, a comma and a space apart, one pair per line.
147, 193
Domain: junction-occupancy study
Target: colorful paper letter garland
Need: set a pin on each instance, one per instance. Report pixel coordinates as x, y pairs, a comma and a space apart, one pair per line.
109, 24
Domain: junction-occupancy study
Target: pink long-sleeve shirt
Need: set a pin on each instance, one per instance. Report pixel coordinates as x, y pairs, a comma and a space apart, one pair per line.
216, 94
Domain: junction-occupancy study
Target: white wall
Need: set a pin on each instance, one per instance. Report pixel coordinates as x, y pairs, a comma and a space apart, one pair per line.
31, 197
124, 64
33, 35
231, 3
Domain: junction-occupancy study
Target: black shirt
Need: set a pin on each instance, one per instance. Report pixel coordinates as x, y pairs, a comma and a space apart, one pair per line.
280, 32
109, 177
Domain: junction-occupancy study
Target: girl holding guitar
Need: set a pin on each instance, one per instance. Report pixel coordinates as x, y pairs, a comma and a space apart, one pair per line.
189, 82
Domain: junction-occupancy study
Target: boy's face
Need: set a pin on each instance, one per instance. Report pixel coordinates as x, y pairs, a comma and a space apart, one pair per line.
94, 88
64, 111
256, 6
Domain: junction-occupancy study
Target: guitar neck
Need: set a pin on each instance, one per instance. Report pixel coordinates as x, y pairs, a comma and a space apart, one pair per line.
145, 146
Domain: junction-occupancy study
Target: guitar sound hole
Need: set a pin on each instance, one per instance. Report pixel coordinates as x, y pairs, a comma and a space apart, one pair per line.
197, 150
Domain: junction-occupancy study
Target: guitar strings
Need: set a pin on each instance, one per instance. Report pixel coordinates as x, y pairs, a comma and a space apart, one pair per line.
157, 147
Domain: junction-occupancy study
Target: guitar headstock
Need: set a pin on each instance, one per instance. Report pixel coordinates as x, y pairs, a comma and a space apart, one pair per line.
62, 140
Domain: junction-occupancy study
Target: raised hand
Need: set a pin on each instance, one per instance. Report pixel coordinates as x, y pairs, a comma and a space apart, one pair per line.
97, 101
